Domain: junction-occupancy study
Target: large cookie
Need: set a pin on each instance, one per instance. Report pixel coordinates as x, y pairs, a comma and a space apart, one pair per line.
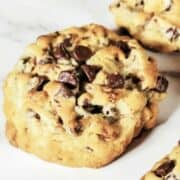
79, 96
166, 169
155, 23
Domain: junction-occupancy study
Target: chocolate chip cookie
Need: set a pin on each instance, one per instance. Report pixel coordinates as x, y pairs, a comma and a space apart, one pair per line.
156, 24
166, 169
79, 96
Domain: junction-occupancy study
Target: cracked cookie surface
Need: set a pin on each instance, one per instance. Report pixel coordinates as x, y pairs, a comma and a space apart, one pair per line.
166, 169
156, 24
79, 96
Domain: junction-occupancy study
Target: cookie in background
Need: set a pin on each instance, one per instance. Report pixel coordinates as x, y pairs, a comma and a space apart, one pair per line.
166, 169
155, 23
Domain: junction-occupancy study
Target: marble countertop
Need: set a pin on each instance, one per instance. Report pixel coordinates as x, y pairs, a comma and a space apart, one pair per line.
22, 21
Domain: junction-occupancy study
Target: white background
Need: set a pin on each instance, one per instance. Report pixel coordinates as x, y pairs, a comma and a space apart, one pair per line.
20, 23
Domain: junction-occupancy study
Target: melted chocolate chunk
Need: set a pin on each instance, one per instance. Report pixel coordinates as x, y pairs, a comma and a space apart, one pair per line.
94, 109
82, 53
165, 168
61, 52
115, 81
69, 78
162, 84
90, 71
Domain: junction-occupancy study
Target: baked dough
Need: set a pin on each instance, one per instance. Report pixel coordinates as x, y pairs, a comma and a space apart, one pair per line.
79, 96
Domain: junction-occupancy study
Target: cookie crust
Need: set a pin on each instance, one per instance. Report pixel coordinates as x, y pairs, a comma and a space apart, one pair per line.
155, 24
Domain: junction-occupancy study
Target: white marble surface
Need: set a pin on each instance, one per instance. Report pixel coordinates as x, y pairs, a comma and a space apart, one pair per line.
20, 23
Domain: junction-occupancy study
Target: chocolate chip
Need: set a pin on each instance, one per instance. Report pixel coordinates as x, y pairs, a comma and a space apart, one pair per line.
132, 81
121, 45
118, 5
162, 84
69, 78
57, 33
133, 78
67, 42
82, 53
124, 47
112, 42
33, 114
60, 121
42, 82
64, 91
169, 6
123, 31
85, 102
61, 52
37, 116
89, 149
25, 60
90, 71
150, 59
165, 168
101, 137
115, 81
140, 3
77, 129
94, 109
